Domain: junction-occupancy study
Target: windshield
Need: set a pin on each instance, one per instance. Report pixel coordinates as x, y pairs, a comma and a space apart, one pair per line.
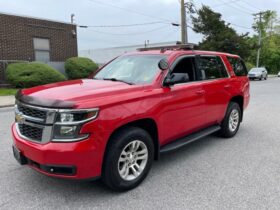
131, 69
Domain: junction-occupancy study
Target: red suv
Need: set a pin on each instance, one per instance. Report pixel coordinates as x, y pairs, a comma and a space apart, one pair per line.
139, 105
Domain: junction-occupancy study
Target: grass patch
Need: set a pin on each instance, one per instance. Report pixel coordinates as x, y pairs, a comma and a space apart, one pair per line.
8, 91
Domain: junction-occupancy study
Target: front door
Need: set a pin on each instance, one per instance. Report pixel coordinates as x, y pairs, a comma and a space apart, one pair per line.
183, 105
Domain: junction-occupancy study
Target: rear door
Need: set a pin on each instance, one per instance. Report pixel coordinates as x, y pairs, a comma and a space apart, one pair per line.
215, 80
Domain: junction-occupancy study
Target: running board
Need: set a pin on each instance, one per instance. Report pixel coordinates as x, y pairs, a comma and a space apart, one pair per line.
188, 139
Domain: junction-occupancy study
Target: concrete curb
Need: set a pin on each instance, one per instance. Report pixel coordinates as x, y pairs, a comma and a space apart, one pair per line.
7, 101
6, 106
272, 75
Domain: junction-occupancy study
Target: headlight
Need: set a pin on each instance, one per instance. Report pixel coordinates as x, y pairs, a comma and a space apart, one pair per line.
69, 122
76, 117
66, 117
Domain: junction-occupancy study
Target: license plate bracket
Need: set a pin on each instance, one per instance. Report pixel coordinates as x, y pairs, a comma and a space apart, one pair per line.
19, 156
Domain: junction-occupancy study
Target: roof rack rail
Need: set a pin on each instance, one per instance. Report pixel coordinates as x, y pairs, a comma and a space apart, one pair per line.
189, 46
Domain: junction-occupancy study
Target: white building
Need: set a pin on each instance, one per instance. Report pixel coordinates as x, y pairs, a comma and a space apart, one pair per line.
104, 55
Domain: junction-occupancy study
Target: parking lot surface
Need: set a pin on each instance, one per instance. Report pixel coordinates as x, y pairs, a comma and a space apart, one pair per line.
213, 173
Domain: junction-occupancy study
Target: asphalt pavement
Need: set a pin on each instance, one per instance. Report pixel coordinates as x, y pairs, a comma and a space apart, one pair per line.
213, 173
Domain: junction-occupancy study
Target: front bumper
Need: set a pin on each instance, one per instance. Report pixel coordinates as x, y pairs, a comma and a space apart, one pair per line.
83, 158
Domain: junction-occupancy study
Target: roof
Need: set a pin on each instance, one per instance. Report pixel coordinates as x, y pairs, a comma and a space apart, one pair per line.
188, 48
174, 52
37, 18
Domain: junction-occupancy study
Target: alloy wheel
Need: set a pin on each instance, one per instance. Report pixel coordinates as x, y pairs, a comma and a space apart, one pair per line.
133, 160
233, 120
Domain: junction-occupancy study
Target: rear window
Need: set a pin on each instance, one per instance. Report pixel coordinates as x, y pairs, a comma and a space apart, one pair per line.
238, 66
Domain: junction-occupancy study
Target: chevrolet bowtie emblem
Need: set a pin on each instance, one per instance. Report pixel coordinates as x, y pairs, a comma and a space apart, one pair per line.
20, 118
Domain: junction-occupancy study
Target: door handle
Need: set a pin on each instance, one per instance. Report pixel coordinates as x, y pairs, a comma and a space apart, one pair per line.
200, 92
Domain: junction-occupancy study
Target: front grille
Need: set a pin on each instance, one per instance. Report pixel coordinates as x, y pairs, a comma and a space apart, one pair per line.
31, 132
28, 111
251, 75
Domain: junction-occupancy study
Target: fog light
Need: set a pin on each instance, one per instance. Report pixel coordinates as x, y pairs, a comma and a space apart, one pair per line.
68, 130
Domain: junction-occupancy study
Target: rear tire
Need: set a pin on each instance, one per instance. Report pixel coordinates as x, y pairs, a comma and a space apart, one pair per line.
231, 121
128, 159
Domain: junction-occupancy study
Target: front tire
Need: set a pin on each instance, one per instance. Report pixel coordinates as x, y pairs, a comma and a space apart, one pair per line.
128, 159
231, 121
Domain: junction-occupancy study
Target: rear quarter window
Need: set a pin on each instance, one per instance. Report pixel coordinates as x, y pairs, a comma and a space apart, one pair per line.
238, 66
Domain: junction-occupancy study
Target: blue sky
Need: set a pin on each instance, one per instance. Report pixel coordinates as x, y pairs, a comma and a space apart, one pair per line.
98, 12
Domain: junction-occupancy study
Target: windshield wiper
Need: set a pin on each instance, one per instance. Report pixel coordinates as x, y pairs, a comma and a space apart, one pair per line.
118, 80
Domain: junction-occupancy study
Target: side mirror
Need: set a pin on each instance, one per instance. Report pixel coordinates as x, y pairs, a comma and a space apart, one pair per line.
176, 78
163, 64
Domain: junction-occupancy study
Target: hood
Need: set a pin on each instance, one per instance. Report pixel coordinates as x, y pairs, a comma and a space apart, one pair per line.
75, 93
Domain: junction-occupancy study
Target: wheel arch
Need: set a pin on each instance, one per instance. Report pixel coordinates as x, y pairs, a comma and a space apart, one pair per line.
147, 124
239, 99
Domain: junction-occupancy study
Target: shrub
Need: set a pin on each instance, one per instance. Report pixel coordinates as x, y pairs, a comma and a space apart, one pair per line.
79, 67
25, 75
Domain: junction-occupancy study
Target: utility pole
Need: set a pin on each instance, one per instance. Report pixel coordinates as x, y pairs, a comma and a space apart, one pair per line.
146, 43
184, 33
260, 14
72, 18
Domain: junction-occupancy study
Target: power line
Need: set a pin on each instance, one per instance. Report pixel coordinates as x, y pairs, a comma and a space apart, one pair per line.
251, 5
130, 10
237, 8
225, 3
128, 34
238, 25
175, 30
250, 9
120, 26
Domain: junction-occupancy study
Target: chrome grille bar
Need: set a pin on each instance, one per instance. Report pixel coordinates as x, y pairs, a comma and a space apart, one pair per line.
46, 123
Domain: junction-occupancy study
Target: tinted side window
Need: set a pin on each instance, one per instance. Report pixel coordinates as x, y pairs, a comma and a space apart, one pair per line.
212, 67
238, 66
185, 66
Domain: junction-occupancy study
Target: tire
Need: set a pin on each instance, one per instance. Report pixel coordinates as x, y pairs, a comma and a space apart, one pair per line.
227, 128
261, 78
265, 78
119, 163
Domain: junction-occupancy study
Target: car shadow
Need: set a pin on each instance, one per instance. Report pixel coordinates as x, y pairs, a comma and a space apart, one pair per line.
72, 189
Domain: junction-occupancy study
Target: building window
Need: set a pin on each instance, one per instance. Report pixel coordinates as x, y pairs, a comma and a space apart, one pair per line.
41, 49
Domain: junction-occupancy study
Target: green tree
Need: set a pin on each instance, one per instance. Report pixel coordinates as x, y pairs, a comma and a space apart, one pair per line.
270, 47
217, 34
